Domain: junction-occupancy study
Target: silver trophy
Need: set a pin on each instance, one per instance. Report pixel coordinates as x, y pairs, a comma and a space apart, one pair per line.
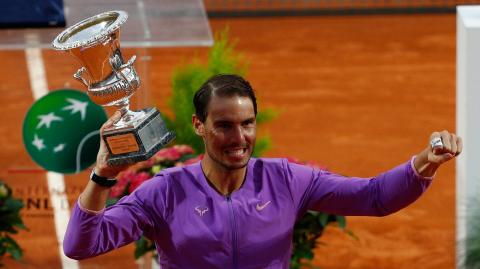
111, 82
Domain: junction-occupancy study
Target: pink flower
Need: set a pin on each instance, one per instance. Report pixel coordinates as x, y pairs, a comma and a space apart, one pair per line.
184, 149
130, 179
170, 154
119, 188
137, 180
149, 163
190, 161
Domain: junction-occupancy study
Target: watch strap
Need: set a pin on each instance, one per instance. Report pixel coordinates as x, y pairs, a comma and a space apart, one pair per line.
102, 181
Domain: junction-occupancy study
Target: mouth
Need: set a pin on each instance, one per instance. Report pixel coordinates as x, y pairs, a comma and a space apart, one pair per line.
236, 152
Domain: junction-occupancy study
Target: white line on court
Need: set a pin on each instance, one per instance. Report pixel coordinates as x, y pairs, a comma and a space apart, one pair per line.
56, 181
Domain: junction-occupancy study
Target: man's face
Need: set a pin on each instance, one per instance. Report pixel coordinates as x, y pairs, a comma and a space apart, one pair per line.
229, 131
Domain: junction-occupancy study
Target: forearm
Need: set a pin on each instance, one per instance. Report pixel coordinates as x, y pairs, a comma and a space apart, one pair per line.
90, 233
378, 196
94, 196
399, 187
84, 230
83, 234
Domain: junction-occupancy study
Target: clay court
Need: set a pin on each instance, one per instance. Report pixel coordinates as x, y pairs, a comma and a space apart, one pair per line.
359, 94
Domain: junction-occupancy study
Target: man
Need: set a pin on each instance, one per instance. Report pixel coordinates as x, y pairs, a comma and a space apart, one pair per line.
231, 210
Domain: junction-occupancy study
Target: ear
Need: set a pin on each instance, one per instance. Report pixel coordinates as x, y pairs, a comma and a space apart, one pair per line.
198, 126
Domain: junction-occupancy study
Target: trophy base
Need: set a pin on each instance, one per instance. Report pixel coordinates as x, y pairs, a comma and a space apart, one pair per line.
138, 141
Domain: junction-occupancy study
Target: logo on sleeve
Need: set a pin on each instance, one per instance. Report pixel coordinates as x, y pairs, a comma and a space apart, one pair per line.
261, 207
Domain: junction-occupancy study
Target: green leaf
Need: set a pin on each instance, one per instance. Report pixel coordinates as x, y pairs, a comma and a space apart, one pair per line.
266, 115
309, 255
262, 144
16, 252
21, 225
111, 201
156, 169
143, 246
13, 205
294, 264
307, 231
324, 219
341, 221
13, 248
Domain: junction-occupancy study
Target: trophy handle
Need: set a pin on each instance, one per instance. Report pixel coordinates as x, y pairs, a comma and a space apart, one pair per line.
128, 64
119, 69
78, 76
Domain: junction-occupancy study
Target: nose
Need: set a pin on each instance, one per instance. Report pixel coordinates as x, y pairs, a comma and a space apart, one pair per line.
238, 135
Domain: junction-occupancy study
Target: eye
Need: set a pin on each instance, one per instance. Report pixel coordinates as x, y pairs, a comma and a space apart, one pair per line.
223, 125
248, 123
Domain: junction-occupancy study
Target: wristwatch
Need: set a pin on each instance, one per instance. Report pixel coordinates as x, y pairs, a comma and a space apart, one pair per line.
102, 181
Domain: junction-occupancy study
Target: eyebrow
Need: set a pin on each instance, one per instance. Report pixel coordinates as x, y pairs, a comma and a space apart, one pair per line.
229, 121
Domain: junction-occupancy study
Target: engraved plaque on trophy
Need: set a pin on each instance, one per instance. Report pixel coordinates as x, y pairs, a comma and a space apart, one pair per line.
95, 42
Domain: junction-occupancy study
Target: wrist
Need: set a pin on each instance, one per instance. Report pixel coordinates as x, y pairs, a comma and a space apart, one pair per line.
427, 169
102, 180
423, 166
104, 171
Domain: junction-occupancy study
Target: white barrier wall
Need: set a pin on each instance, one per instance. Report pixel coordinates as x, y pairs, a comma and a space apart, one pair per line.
468, 119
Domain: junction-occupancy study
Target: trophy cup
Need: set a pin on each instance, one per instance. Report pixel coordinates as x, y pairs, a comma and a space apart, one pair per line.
111, 82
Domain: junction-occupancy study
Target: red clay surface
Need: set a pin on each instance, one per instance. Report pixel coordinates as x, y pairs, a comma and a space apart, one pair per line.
359, 94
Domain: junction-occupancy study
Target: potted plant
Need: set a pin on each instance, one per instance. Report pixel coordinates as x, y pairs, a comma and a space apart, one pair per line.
469, 256
10, 222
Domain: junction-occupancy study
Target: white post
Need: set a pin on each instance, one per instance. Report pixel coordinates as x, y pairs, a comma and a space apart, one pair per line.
468, 119
55, 181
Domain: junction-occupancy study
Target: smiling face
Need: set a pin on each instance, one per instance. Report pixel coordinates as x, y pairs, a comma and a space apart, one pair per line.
229, 131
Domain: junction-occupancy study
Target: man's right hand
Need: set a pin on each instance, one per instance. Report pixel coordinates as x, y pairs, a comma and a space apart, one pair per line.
102, 168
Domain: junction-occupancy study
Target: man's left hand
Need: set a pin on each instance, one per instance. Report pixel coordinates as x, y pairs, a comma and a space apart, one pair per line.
443, 147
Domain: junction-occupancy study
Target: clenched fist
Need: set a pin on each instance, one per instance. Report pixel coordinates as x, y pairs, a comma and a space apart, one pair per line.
443, 147
447, 148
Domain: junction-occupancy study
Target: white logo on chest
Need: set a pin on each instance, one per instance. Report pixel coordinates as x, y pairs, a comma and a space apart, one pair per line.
262, 207
201, 210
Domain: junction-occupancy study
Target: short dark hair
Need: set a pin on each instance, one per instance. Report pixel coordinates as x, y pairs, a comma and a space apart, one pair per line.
222, 85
